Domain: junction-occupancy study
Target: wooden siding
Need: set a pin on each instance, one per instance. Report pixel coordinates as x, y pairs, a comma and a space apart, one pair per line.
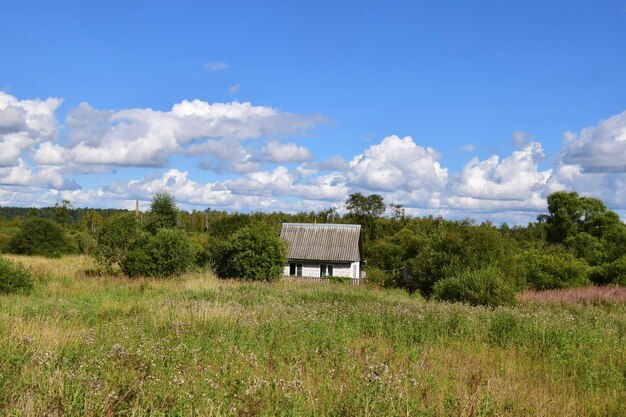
322, 242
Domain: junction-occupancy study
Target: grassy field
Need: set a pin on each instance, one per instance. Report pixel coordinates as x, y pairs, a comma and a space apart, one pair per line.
83, 344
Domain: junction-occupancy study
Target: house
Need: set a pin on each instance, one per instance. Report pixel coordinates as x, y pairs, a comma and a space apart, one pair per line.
318, 250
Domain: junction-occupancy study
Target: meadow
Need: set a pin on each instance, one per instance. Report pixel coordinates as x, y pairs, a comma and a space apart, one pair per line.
85, 343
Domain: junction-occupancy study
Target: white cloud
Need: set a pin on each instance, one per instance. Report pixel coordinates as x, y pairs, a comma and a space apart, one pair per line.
23, 175
398, 164
241, 139
516, 177
470, 147
600, 148
147, 138
23, 124
215, 66
281, 182
188, 192
593, 162
233, 89
285, 152
521, 139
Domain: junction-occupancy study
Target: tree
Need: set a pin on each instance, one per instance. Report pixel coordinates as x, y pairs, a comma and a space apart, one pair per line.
363, 207
565, 211
163, 212
254, 253
62, 212
39, 237
91, 220
364, 210
570, 214
116, 238
397, 211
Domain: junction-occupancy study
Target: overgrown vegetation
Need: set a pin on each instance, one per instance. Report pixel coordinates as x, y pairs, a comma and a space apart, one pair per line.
41, 237
578, 242
254, 253
85, 345
14, 278
484, 287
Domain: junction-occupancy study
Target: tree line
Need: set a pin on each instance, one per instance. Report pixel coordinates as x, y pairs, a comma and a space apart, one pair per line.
578, 242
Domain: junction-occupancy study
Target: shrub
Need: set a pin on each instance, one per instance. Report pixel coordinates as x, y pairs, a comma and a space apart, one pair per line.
116, 238
381, 278
254, 253
85, 243
587, 248
39, 237
485, 287
611, 273
14, 278
453, 248
553, 270
4, 242
165, 254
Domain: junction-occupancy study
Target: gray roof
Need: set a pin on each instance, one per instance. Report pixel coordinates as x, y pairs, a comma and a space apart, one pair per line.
322, 242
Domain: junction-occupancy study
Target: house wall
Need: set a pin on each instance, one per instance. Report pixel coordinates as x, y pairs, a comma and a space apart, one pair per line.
312, 269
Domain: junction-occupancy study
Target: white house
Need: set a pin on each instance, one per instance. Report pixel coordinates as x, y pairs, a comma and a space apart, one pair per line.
318, 250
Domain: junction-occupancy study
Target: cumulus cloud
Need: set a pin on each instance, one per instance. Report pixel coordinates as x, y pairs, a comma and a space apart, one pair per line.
215, 66
398, 164
335, 163
264, 194
24, 124
521, 139
593, 162
285, 152
241, 139
600, 148
147, 138
281, 182
22, 174
516, 177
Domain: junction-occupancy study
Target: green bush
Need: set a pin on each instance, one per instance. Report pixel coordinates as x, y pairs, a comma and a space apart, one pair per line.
85, 243
166, 254
485, 287
116, 238
554, 270
381, 278
4, 242
254, 253
40, 237
14, 278
611, 273
450, 249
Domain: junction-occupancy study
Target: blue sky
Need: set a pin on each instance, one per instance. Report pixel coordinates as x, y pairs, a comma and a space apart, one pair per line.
454, 108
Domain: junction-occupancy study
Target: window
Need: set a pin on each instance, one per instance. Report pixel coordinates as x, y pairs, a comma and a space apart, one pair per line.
326, 270
295, 269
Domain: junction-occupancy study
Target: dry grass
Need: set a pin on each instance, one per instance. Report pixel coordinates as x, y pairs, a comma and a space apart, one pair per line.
587, 296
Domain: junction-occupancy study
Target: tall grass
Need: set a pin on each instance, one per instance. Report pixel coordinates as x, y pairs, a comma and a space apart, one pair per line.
84, 344
585, 296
